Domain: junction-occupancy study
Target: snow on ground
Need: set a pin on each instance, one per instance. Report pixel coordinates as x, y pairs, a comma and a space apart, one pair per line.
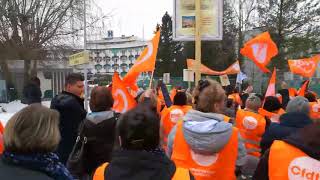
13, 107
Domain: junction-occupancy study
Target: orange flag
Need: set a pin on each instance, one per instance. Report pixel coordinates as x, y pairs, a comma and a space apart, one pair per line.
304, 67
260, 50
123, 101
271, 91
233, 69
145, 63
303, 88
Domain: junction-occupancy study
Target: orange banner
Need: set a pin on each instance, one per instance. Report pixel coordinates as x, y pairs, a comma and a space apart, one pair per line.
233, 69
304, 67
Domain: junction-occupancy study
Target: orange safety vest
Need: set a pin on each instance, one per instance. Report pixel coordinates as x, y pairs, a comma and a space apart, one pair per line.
1, 138
171, 116
288, 162
252, 127
180, 174
314, 110
206, 167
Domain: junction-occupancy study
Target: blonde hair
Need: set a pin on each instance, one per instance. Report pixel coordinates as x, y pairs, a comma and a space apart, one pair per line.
207, 94
34, 129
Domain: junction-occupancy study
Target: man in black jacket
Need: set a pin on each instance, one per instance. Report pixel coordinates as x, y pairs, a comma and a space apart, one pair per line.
71, 108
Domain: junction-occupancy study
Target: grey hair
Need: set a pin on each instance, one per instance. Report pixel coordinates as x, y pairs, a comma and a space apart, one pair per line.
253, 102
298, 104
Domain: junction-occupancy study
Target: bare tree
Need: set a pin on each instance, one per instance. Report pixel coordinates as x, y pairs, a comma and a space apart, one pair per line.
27, 26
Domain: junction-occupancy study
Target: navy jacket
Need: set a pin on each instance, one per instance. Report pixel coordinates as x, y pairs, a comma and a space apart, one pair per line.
306, 139
19, 173
289, 123
72, 113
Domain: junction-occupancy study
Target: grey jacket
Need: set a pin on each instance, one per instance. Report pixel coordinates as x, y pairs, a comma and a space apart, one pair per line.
207, 133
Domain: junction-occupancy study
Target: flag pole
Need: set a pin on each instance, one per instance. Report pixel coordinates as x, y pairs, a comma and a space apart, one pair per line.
151, 79
198, 41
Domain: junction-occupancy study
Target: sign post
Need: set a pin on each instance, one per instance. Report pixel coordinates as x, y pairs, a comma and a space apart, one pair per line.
197, 20
188, 75
198, 40
166, 78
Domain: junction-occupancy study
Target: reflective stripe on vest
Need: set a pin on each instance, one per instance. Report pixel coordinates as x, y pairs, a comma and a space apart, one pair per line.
287, 162
180, 174
314, 110
206, 167
252, 127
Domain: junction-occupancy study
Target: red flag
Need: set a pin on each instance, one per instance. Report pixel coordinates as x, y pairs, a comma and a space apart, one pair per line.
303, 88
271, 91
145, 63
304, 67
123, 101
260, 50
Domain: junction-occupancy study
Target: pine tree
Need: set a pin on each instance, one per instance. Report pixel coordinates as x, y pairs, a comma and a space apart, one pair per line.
294, 26
169, 58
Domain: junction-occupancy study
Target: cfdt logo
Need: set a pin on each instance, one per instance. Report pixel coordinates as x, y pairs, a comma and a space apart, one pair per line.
304, 168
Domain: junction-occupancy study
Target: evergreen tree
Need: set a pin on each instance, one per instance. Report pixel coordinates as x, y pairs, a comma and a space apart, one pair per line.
294, 26
169, 58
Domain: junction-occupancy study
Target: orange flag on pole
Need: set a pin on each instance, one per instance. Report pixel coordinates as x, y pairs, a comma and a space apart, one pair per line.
271, 91
304, 67
123, 101
303, 88
233, 69
145, 63
260, 50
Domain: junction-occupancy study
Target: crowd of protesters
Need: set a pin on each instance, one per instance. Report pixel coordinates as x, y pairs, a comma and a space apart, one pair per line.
208, 133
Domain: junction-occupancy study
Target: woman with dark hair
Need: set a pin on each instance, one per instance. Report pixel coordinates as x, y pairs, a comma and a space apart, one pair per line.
140, 157
99, 128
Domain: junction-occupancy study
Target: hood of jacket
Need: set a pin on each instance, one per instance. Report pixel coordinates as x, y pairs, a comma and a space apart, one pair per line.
307, 140
140, 165
206, 133
98, 117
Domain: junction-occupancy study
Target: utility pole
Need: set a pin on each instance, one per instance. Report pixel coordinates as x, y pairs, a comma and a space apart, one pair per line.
198, 41
85, 48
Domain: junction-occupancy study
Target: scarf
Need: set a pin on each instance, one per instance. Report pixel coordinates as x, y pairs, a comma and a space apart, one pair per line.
46, 163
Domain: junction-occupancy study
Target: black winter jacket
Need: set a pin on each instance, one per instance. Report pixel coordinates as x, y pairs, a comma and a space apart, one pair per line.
289, 123
306, 139
10, 172
31, 94
72, 113
140, 165
99, 128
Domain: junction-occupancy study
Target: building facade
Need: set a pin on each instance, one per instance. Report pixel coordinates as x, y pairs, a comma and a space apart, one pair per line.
114, 54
